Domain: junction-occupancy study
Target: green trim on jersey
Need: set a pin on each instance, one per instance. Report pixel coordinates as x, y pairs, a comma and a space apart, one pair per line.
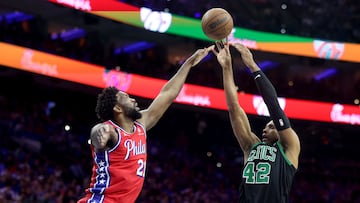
283, 153
256, 144
281, 150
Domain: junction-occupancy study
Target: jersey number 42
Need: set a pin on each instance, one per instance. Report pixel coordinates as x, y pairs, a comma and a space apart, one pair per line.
257, 174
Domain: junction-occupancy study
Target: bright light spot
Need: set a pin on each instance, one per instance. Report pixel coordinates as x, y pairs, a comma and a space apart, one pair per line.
67, 127
291, 83
209, 154
218, 164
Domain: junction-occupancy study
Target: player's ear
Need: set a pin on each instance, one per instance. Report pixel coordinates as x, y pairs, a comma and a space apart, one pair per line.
117, 108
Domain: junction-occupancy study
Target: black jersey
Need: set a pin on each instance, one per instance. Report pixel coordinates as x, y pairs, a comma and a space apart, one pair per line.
267, 175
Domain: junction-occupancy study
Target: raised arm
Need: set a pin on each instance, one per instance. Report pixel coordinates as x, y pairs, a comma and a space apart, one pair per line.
171, 89
238, 118
288, 137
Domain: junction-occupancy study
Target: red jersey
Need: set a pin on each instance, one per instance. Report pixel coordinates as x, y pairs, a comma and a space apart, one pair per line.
118, 173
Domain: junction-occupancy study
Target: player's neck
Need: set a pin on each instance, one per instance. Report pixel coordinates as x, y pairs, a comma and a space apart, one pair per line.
126, 124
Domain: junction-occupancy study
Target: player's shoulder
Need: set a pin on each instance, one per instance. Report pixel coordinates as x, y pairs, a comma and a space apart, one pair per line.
96, 126
102, 124
139, 123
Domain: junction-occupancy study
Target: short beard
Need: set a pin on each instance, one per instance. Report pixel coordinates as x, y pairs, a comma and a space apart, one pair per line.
134, 114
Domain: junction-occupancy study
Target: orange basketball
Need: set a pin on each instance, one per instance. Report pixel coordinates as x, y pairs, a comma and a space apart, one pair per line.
217, 23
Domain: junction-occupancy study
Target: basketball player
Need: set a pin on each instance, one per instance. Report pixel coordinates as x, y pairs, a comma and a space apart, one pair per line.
118, 143
270, 163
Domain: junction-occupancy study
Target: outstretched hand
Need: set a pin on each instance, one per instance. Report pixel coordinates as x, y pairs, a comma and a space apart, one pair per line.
223, 54
246, 56
199, 55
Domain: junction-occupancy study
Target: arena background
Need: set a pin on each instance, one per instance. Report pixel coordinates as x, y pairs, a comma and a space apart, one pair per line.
193, 155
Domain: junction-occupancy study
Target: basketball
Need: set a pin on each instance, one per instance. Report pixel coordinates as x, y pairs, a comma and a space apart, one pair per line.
217, 23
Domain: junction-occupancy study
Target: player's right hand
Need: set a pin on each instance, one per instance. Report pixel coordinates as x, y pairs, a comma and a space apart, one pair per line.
246, 55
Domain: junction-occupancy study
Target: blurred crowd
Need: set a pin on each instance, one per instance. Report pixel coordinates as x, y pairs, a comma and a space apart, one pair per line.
42, 161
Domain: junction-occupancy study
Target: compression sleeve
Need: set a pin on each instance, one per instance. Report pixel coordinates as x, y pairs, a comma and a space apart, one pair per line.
269, 95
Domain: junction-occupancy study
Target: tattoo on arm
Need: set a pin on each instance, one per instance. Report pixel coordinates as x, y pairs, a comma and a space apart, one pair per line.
100, 135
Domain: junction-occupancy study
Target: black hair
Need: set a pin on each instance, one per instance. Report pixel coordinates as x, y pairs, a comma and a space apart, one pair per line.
106, 101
